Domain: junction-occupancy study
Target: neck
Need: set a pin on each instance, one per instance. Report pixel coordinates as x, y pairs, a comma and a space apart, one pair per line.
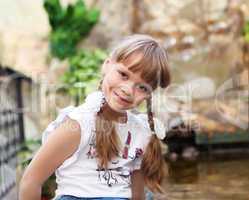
109, 114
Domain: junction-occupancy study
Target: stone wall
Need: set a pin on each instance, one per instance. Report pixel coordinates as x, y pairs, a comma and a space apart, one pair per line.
184, 27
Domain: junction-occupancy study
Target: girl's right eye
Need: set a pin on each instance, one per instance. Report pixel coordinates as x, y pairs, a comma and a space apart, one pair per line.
122, 74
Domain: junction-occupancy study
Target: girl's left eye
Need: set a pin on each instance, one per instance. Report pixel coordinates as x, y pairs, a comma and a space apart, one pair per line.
143, 88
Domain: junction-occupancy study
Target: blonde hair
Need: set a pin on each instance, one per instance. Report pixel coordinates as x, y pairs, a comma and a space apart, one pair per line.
153, 64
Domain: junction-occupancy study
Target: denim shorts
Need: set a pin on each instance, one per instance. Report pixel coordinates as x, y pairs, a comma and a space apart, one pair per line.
69, 197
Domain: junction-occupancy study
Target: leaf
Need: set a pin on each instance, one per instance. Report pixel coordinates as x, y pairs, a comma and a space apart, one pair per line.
83, 67
247, 38
93, 16
100, 54
55, 12
69, 26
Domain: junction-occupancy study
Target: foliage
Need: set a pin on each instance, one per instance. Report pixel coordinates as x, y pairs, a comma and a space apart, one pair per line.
246, 32
83, 68
27, 150
69, 25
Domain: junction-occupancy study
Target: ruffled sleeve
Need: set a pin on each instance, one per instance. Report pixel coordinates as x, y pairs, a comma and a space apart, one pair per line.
92, 104
85, 117
75, 114
54, 124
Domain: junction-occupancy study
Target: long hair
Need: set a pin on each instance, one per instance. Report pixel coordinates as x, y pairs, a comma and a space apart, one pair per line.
153, 165
107, 141
153, 65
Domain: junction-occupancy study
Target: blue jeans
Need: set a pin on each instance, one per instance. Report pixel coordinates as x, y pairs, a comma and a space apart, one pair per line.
69, 197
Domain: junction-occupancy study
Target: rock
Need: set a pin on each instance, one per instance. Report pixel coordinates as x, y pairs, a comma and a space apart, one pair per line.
199, 88
190, 153
173, 156
114, 23
244, 78
24, 46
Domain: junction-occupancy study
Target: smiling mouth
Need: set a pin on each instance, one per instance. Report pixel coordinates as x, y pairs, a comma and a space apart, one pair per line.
122, 99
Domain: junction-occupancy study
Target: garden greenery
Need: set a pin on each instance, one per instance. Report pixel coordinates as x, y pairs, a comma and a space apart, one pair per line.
246, 32
68, 26
83, 69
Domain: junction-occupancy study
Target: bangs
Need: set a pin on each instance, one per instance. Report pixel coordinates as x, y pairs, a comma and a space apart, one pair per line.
147, 58
142, 64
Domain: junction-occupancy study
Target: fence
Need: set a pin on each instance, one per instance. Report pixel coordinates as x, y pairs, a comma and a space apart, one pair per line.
11, 127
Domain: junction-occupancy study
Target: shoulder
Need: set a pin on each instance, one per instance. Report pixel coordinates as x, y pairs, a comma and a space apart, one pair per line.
139, 125
61, 143
58, 147
68, 131
138, 119
90, 106
83, 115
141, 121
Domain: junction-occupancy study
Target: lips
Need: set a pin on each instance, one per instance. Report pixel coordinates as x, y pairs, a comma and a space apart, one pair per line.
122, 99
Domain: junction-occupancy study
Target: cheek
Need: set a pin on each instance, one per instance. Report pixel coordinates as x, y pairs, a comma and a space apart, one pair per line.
109, 82
140, 99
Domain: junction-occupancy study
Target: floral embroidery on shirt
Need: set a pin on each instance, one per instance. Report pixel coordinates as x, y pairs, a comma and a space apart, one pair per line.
138, 153
91, 153
114, 176
127, 146
115, 162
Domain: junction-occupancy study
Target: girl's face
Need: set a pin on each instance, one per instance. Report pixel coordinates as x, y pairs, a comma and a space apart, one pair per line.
123, 89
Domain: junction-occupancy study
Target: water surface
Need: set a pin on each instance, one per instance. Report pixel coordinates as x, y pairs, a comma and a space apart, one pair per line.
209, 179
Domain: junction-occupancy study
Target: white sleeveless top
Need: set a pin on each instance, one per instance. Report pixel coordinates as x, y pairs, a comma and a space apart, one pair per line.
79, 175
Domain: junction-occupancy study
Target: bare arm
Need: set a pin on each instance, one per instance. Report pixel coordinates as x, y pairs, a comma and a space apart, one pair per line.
137, 185
61, 144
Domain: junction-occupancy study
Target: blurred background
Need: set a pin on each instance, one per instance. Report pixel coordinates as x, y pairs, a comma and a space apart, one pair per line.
51, 52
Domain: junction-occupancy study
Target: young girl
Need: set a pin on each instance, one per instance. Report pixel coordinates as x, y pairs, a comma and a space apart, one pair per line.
100, 149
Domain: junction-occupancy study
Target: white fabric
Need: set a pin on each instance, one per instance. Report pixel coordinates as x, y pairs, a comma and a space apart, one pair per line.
160, 129
93, 103
79, 175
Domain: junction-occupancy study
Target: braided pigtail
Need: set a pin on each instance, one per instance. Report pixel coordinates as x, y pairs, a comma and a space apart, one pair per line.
107, 141
153, 164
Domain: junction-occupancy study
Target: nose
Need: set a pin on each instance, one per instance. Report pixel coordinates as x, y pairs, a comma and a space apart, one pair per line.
128, 89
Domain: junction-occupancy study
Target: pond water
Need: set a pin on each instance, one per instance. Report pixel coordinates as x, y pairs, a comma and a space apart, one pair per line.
208, 179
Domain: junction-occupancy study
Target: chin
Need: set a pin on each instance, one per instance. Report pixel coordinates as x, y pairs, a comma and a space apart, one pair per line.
120, 109
116, 108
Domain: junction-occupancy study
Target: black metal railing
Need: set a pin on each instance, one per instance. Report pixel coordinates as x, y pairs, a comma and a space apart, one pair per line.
11, 127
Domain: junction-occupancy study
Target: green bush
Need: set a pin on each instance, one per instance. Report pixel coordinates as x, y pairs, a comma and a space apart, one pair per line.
83, 68
69, 25
28, 148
